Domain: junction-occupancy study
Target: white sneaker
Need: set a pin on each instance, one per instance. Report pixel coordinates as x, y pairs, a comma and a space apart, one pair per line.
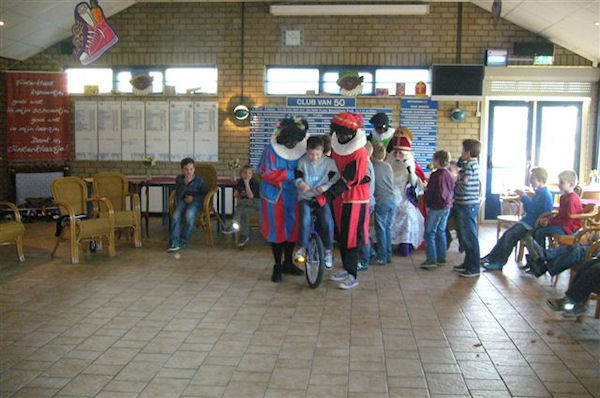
243, 241
340, 276
349, 283
328, 259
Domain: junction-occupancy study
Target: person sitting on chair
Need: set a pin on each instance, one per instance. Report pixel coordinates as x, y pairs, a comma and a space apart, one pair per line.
189, 197
574, 303
248, 195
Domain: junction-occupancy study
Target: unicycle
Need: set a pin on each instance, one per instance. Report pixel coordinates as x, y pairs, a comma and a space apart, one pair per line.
315, 254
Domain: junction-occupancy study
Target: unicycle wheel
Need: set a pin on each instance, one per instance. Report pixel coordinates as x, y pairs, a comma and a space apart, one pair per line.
315, 261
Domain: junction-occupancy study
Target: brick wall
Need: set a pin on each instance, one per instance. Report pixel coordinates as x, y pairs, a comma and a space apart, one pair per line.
202, 34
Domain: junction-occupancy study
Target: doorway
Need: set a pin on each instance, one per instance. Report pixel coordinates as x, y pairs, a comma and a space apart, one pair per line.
523, 134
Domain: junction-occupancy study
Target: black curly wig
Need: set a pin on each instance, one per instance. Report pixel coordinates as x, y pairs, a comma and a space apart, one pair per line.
291, 131
343, 134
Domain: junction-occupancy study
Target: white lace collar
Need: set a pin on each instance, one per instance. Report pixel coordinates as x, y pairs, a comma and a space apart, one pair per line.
289, 154
386, 134
359, 141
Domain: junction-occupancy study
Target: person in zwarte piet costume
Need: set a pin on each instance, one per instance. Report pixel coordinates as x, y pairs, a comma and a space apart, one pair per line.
350, 193
383, 133
279, 208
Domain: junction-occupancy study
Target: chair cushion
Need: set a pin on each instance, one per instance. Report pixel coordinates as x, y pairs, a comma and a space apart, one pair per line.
10, 230
93, 227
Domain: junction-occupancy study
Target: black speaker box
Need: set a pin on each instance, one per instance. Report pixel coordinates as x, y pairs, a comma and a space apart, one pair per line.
533, 49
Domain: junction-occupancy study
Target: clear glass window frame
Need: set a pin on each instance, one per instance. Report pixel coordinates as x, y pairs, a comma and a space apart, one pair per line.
77, 78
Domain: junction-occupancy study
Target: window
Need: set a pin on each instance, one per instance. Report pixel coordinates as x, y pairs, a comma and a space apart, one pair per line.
202, 80
330, 82
292, 80
79, 77
388, 77
123, 78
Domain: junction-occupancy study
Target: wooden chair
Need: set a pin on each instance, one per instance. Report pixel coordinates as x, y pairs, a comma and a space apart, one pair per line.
11, 232
511, 212
208, 172
596, 294
115, 187
71, 197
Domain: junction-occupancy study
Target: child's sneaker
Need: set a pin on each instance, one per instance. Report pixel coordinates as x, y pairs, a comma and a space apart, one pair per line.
441, 261
300, 256
328, 259
557, 304
340, 276
468, 274
174, 247
377, 261
492, 266
573, 310
349, 283
362, 267
428, 264
459, 268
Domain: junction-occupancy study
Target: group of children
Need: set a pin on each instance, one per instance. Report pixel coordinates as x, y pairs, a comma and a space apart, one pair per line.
345, 176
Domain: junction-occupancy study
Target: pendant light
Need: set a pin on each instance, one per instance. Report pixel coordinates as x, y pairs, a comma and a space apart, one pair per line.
241, 111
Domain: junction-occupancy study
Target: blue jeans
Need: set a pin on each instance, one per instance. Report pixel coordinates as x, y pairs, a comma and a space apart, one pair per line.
506, 243
564, 257
540, 234
466, 223
585, 282
189, 211
324, 224
385, 212
435, 234
448, 234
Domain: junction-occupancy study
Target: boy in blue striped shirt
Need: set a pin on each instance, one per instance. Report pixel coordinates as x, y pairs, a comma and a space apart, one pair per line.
466, 204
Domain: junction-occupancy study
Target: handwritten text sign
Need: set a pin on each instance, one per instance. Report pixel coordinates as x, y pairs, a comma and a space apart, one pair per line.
38, 116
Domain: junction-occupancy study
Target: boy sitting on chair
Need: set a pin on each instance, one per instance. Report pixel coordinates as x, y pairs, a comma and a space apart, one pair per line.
189, 197
248, 195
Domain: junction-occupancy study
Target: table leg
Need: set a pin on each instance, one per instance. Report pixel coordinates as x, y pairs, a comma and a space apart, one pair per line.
147, 212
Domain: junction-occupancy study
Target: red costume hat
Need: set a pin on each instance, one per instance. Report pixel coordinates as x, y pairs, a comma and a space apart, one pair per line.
403, 139
347, 119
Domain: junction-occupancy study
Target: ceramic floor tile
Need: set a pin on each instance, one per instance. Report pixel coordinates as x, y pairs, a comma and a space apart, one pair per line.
213, 325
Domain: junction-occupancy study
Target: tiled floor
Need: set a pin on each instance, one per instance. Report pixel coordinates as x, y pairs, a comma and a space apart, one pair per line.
211, 324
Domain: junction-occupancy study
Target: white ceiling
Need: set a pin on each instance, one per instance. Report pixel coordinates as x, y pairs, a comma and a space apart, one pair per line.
33, 25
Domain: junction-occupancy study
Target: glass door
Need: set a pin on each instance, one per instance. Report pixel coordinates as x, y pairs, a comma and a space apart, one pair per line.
558, 137
509, 150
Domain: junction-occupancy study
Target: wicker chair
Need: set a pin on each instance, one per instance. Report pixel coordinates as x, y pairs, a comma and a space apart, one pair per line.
71, 197
208, 172
11, 232
115, 187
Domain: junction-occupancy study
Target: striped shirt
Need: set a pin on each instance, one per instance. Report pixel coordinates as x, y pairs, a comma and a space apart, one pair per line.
466, 191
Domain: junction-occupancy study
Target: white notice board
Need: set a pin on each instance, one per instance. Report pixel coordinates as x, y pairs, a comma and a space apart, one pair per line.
109, 130
181, 117
86, 132
133, 130
206, 134
157, 130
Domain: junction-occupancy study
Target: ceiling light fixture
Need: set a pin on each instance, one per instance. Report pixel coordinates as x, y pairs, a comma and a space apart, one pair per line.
241, 111
597, 23
1, 22
350, 9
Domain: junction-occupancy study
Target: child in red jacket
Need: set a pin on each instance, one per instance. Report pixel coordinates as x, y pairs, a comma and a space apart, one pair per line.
570, 204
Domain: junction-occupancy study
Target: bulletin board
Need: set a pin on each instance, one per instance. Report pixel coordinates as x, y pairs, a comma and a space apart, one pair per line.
130, 130
318, 112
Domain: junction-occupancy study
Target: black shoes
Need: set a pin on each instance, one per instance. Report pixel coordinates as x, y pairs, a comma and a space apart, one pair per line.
292, 269
276, 277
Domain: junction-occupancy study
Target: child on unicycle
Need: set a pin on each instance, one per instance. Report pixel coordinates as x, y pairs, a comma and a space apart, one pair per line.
314, 175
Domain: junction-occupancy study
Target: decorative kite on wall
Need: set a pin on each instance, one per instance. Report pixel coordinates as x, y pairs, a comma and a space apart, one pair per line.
92, 34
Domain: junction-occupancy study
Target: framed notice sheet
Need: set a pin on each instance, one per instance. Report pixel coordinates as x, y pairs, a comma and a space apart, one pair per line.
181, 115
206, 134
109, 130
86, 132
157, 130
133, 144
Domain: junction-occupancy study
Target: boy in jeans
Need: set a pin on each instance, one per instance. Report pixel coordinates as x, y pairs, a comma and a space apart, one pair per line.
315, 173
466, 204
570, 204
541, 202
440, 191
385, 204
247, 192
189, 196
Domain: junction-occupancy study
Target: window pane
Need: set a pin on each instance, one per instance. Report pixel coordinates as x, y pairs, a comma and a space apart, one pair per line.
330, 82
124, 77
291, 80
558, 126
202, 79
79, 77
387, 78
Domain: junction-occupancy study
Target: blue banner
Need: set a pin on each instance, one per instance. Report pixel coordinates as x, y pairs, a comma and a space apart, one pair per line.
321, 102
421, 116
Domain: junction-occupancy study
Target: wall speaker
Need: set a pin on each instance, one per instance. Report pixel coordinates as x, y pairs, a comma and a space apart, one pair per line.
534, 49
